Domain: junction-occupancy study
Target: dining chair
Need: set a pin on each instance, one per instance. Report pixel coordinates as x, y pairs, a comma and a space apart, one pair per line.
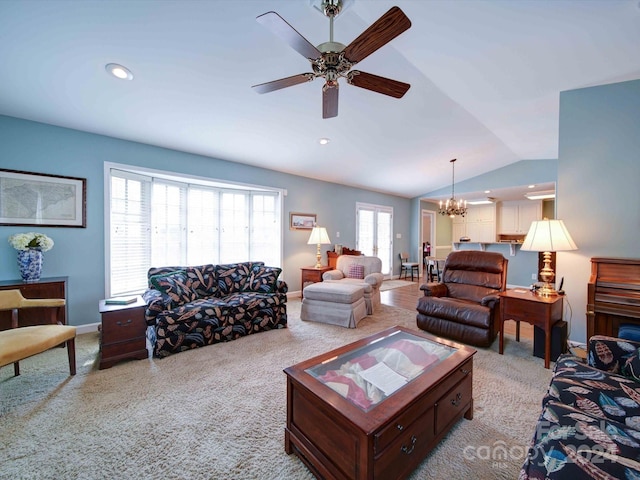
406, 266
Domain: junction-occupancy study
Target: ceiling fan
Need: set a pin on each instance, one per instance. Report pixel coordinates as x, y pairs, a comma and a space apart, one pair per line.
333, 60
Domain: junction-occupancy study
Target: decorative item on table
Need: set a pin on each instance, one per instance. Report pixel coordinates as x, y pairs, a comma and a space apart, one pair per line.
548, 236
318, 236
30, 247
121, 300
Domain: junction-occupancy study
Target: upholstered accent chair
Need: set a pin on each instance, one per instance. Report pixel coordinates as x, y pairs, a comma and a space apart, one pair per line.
359, 270
18, 343
465, 305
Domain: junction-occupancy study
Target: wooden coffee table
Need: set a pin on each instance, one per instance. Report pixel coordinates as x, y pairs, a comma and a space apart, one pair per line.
343, 426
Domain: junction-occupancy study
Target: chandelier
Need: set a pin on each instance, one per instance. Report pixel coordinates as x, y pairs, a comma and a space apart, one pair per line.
453, 207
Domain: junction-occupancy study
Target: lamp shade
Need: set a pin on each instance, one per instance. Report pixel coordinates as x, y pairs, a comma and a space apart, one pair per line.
318, 235
548, 236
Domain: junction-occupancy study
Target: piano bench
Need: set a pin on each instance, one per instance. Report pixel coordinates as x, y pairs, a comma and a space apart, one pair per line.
629, 331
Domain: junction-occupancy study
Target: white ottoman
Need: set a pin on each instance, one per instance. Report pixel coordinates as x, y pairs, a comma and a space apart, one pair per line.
334, 303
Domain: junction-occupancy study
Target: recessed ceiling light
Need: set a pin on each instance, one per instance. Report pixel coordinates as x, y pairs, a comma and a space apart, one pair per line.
487, 191
531, 186
323, 141
119, 71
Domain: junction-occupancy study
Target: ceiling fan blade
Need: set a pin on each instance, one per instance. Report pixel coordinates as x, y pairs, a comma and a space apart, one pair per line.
283, 83
330, 102
383, 85
382, 31
290, 35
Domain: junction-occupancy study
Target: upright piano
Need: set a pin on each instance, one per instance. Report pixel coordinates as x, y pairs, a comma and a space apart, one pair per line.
613, 295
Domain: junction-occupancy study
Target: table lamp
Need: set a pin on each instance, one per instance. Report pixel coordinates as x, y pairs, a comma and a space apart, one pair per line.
318, 236
548, 236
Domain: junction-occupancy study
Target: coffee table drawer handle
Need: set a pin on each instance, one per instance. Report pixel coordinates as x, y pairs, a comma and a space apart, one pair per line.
119, 323
399, 427
456, 401
409, 450
465, 372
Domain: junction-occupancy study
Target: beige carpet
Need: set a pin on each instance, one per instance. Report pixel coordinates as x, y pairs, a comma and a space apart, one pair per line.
391, 284
219, 412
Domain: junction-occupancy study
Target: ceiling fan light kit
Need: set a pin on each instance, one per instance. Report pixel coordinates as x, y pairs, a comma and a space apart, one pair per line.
332, 60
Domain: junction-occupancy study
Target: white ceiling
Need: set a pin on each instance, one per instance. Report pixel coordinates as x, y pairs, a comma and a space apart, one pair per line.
485, 81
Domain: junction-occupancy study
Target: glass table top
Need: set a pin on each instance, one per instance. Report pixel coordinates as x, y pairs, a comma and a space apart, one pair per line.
371, 373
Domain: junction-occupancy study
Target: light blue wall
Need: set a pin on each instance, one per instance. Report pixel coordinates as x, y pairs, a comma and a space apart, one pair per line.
79, 252
598, 184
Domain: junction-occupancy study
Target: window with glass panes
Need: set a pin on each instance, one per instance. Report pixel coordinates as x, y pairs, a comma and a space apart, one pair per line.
154, 221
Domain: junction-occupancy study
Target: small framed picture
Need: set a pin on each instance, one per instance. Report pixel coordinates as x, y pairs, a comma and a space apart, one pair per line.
38, 199
302, 221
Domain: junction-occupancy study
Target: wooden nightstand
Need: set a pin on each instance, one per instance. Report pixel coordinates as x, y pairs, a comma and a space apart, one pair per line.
312, 275
123, 333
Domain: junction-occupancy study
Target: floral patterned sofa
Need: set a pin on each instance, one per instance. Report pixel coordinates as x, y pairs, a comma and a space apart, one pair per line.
190, 307
590, 422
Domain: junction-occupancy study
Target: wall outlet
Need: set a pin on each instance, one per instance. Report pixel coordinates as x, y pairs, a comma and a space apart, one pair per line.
398, 235
534, 276
337, 234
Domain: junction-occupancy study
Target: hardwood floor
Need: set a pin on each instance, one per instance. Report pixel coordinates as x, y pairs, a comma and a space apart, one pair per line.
407, 298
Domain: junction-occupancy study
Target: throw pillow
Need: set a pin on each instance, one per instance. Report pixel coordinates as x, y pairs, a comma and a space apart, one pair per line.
177, 285
355, 271
263, 279
631, 367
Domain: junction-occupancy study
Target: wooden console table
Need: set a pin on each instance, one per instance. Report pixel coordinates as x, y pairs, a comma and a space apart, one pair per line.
54, 287
525, 306
311, 275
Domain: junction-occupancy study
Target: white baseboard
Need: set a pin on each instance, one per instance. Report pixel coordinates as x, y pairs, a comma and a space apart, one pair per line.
88, 328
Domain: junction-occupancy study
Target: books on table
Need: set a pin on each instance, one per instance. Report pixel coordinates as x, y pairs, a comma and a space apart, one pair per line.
121, 300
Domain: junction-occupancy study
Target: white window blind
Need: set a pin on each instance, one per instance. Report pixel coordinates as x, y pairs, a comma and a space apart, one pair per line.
130, 249
159, 222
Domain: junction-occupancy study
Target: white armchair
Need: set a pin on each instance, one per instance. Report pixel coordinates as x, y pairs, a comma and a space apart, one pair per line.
359, 270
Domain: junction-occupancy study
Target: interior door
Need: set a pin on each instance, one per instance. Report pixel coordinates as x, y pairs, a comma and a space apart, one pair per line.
374, 234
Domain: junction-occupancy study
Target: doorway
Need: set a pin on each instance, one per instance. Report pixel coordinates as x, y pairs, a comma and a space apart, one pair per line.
374, 227
427, 241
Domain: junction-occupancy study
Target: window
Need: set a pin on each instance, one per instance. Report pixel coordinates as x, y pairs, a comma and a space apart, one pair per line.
158, 219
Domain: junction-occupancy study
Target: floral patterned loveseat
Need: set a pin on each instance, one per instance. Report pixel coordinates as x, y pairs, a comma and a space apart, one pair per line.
190, 307
590, 422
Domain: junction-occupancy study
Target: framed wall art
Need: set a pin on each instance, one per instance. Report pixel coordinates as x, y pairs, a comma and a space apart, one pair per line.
39, 199
302, 221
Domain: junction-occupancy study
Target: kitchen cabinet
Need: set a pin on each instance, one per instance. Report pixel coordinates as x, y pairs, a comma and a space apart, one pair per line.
479, 224
515, 217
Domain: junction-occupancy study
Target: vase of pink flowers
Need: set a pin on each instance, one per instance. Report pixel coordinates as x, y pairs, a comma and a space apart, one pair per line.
30, 247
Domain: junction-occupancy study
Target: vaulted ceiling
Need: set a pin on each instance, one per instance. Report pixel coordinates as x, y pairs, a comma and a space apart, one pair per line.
485, 78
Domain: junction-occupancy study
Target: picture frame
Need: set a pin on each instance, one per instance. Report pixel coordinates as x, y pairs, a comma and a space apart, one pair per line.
42, 200
302, 221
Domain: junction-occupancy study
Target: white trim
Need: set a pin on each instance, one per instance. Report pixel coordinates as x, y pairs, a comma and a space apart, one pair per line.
88, 328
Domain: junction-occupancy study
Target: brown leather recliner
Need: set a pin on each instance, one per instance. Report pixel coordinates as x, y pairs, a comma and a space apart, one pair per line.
465, 305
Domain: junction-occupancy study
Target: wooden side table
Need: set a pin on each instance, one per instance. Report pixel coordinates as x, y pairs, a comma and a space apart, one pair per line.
312, 275
525, 306
123, 333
